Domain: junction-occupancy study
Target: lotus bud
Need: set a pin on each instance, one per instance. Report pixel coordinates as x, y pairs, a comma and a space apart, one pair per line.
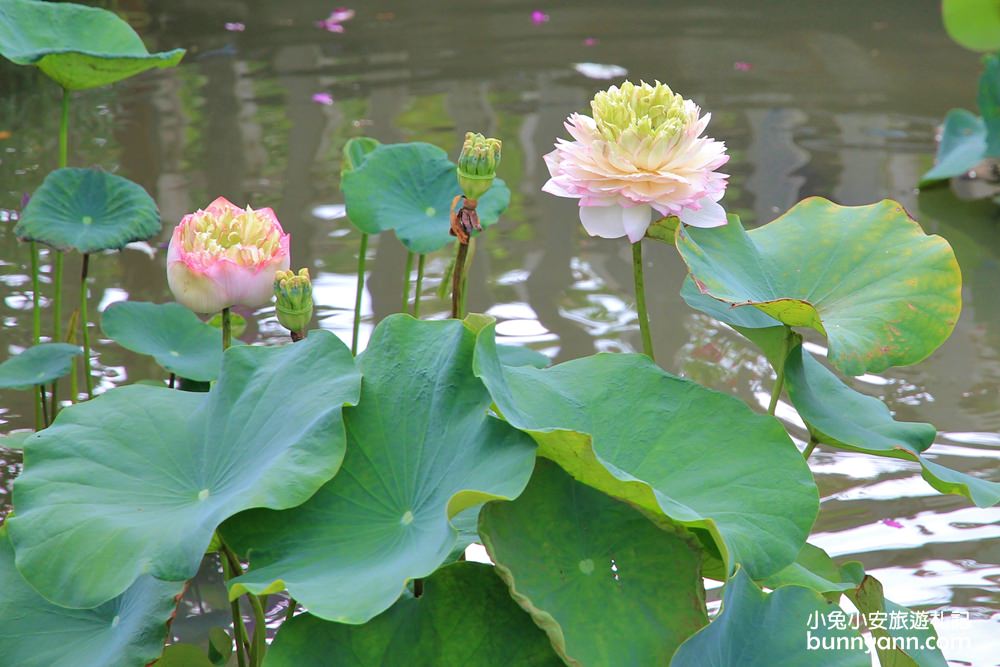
477, 165
294, 301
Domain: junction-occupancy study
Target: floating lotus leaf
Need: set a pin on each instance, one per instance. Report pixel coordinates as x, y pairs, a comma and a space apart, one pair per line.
135, 481
962, 147
41, 364
867, 277
421, 448
607, 585
77, 46
170, 333
465, 618
88, 210
975, 24
409, 188
757, 629
127, 631
621, 424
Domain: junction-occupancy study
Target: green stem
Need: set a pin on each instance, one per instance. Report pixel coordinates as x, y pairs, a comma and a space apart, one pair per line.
172, 380
64, 130
84, 326
640, 299
227, 329
259, 631
810, 447
406, 282
41, 419
456, 280
779, 382
290, 612
420, 284
362, 256
45, 410
239, 632
36, 330
57, 281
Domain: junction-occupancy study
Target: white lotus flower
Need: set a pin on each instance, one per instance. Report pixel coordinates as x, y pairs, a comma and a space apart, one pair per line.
642, 150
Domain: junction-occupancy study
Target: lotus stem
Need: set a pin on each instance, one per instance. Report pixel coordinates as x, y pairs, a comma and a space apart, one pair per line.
362, 256
36, 331
640, 300
172, 380
45, 410
259, 631
57, 259
457, 279
84, 326
810, 447
406, 281
290, 612
41, 418
421, 259
227, 329
239, 631
779, 381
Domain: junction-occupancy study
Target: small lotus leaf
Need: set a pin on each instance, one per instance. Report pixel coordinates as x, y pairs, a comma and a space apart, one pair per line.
607, 585
882, 291
77, 46
962, 147
127, 631
88, 210
757, 629
465, 618
421, 448
975, 24
619, 423
170, 333
409, 188
41, 364
136, 481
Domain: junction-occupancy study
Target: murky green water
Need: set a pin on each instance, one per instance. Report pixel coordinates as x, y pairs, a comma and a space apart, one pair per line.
813, 98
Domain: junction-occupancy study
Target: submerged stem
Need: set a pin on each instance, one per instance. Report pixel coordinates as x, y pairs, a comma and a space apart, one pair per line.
640, 299
457, 282
421, 259
84, 326
362, 256
406, 281
227, 329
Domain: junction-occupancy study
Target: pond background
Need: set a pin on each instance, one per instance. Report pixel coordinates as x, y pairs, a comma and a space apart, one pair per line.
839, 100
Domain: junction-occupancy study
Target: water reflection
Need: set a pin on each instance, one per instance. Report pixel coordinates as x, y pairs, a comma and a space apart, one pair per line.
829, 101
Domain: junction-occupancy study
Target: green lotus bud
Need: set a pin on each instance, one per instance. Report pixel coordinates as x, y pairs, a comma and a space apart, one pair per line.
477, 165
294, 300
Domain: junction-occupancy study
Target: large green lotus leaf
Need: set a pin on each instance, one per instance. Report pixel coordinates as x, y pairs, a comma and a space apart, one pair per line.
170, 333
37, 365
700, 458
607, 585
421, 448
904, 637
77, 46
756, 629
975, 24
465, 618
838, 415
519, 355
962, 147
355, 151
409, 188
127, 631
136, 481
882, 291
88, 210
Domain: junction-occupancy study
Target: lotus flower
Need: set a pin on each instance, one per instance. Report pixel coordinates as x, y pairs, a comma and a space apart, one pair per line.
642, 150
226, 256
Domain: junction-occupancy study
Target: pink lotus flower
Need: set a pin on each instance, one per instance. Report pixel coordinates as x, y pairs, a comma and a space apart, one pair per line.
326, 99
226, 256
333, 22
538, 17
642, 150
235, 27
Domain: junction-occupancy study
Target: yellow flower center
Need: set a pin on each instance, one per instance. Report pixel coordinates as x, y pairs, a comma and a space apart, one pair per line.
245, 238
643, 111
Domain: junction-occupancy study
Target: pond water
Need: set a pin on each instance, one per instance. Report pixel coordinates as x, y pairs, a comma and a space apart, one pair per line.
838, 99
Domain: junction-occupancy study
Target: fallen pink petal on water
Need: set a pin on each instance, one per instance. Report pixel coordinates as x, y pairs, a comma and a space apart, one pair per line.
341, 14
235, 27
538, 17
326, 99
330, 26
591, 41
741, 66
892, 523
